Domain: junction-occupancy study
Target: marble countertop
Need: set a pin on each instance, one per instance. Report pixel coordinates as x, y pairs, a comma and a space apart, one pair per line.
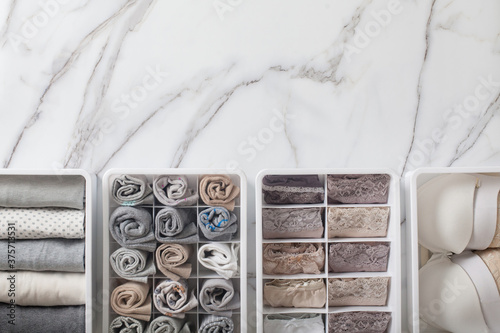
246, 84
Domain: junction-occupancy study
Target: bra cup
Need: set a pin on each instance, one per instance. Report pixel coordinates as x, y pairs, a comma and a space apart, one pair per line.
448, 298
446, 212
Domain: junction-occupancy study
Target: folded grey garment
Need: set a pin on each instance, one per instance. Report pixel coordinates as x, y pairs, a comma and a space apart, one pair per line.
42, 318
221, 258
124, 324
216, 324
164, 324
174, 191
64, 255
128, 190
173, 225
292, 223
217, 296
132, 264
42, 191
133, 228
295, 323
218, 224
172, 298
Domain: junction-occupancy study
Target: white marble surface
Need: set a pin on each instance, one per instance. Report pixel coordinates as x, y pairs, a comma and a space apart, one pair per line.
249, 83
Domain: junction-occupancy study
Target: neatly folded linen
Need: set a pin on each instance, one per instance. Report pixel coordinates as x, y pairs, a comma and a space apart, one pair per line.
172, 260
220, 258
216, 324
174, 191
31, 319
132, 299
42, 191
64, 255
43, 288
172, 298
217, 296
217, 223
133, 228
218, 190
38, 223
164, 324
132, 264
176, 225
124, 324
132, 190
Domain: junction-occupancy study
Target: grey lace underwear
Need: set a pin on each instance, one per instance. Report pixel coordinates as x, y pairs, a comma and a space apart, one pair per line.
293, 189
292, 223
293, 258
358, 291
358, 257
358, 322
358, 189
357, 221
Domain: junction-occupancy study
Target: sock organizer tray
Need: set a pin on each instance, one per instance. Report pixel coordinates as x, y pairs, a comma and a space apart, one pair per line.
309, 227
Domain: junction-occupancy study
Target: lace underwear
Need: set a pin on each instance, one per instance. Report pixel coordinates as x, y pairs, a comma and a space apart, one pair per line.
491, 258
358, 291
358, 189
358, 257
496, 238
358, 322
293, 189
292, 223
357, 221
293, 258
294, 323
302, 293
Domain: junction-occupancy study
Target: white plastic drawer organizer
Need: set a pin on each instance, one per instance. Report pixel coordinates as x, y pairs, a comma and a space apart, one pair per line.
328, 251
174, 250
46, 236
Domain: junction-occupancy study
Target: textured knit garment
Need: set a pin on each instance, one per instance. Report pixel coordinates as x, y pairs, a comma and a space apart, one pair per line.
220, 258
302, 293
216, 324
176, 225
358, 221
292, 223
293, 189
218, 224
172, 298
358, 189
293, 258
132, 190
219, 190
123, 324
164, 324
66, 191
217, 296
43, 288
62, 255
358, 322
294, 323
174, 191
131, 264
50, 319
132, 299
40, 223
133, 228
358, 257
358, 291
172, 260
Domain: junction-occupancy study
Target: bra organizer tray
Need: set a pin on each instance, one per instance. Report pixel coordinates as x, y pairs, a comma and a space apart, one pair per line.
393, 303
199, 273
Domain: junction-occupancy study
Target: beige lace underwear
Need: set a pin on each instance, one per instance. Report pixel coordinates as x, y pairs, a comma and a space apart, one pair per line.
358, 291
293, 258
496, 239
302, 293
491, 258
357, 221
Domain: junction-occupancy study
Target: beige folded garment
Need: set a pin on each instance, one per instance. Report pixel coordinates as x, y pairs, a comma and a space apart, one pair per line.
218, 190
42, 288
171, 260
302, 293
132, 299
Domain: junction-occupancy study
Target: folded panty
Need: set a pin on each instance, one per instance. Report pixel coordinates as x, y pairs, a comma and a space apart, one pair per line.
43, 288
302, 293
358, 189
64, 255
171, 260
293, 258
38, 223
124, 324
217, 296
133, 228
292, 223
164, 324
458, 212
217, 223
358, 291
216, 324
218, 190
31, 319
132, 264
357, 221
358, 257
174, 191
359, 322
220, 258
42, 191
172, 298
176, 225
294, 323
128, 190
132, 299
293, 189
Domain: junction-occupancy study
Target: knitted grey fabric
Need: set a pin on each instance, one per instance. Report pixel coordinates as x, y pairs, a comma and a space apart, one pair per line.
217, 296
174, 191
42, 191
133, 228
216, 324
124, 324
132, 264
218, 224
62, 255
176, 225
128, 190
164, 324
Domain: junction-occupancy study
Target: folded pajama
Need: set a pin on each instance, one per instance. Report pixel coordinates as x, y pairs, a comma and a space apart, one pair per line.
172, 298
172, 260
175, 225
133, 228
64, 255
174, 191
218, 190
132, 264
218, 224
132, 299
164, 324
128, 190
220, 258
216, 324
126, 325
217, 296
